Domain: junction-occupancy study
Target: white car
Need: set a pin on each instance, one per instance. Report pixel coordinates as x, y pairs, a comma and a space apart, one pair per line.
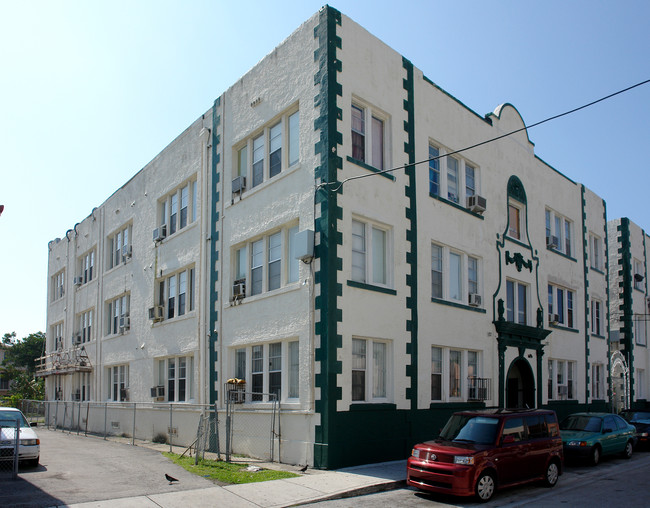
29, 448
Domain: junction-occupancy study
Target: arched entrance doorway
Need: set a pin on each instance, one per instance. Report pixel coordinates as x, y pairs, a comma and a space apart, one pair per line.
520, 385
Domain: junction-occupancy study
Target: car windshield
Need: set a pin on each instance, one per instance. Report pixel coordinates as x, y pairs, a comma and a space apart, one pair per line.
471, 429
636, 415
8, 418
584, 423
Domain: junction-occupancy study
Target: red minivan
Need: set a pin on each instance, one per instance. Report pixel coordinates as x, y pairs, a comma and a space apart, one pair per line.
480, 451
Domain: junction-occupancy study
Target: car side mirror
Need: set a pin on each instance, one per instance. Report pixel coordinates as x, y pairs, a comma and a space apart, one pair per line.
508, 439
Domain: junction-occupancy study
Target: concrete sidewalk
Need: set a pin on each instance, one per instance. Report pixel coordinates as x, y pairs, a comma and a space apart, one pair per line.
310, 487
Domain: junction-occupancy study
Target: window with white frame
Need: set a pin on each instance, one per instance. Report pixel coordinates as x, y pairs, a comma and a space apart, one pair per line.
370, 363
516, 302
598, 381
597, 323
596, 252
459, 181
561, 304
454, 275
86, 326
266, 263
638, 275
58, 285
640, 329
176, 293
57, 332
561, 380
175, 374
559, 232
640, 388
119, 247
117, 313
86, 266
368, 147
274, 369
448, 379
270, 151
178, 208
371, 253
118, 383
81, 386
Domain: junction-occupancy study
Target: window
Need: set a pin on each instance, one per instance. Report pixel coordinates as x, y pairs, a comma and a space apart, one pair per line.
597, 318
561, 379
472, 275
514, 221
272, 262
561, 306
595, 251
178, 208
436, 373
58, 285
176, 293
86, 326
118, 320
598, 381
57, 332
369, 370
370, 253
362, 144
559, 233
638, 275
87, 264
516, 302
436, 271
449, 271
274, 369
118, 383
640, 384
458, 171
81, 384
282, 137
640, 329
447, 375
175, 374
119, 247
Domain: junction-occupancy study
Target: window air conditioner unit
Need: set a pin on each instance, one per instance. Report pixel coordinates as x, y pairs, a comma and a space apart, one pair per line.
127, 251
553, 319
78, 281
158, 392
76, 338
160, 233
76, 395
474, 300
239, 185
239, 289
124, 394
156, 313
552, 242
476, 203
638, 277
125, 323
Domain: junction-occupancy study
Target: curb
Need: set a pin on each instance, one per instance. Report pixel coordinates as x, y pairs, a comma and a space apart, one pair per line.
361, 491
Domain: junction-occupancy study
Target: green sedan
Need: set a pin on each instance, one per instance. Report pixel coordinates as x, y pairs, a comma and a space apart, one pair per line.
594, 435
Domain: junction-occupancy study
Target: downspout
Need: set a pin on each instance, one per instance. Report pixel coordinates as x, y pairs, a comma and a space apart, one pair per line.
203, 308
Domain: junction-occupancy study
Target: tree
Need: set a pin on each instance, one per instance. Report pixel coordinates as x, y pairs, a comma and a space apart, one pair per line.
19, 366
24, 353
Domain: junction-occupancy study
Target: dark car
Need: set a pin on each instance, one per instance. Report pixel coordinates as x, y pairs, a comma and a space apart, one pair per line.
641, 421
480, 451
594, 435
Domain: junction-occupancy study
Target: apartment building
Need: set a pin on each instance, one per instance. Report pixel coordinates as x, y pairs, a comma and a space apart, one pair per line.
321, 235
629, 310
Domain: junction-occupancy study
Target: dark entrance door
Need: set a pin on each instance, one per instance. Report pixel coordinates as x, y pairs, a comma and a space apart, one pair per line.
520, 385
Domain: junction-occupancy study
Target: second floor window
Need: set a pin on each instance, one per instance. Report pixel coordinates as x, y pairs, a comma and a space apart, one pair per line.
595, 251
561, 306
57, 330
370, 253
85, 326
638, 275
118, 320
559, 233
178, 209
176, 293
516, 302
597, 317
119, 247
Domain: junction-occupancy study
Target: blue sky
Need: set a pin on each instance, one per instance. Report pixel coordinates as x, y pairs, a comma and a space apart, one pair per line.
91, 91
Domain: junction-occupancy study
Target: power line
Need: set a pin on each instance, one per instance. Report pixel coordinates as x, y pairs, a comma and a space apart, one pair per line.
525, 127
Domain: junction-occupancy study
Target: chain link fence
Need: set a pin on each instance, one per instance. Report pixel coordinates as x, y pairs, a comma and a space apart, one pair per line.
9, 439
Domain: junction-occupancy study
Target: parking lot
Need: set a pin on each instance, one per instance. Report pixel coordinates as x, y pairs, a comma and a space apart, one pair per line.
78, 469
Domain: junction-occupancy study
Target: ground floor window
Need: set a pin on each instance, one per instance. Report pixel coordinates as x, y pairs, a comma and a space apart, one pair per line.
598, 381
369, 370
175, 374
456, 374
118, 383
81, 386
561, 380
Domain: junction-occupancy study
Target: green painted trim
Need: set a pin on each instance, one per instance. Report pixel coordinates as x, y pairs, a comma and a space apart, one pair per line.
625, 295
371, 287
458, 305
518, 242
596, 336
369, 406
363, 165
516, 190
561, 254
564, 328
456, 205
585, 271
592, 269
484, 118
412, 324
325, 201
213, 294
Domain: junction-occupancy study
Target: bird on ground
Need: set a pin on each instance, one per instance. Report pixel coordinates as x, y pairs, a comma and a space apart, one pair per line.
170, 479
303, 469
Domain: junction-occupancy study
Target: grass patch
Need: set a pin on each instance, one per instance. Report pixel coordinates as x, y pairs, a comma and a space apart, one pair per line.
227, 472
